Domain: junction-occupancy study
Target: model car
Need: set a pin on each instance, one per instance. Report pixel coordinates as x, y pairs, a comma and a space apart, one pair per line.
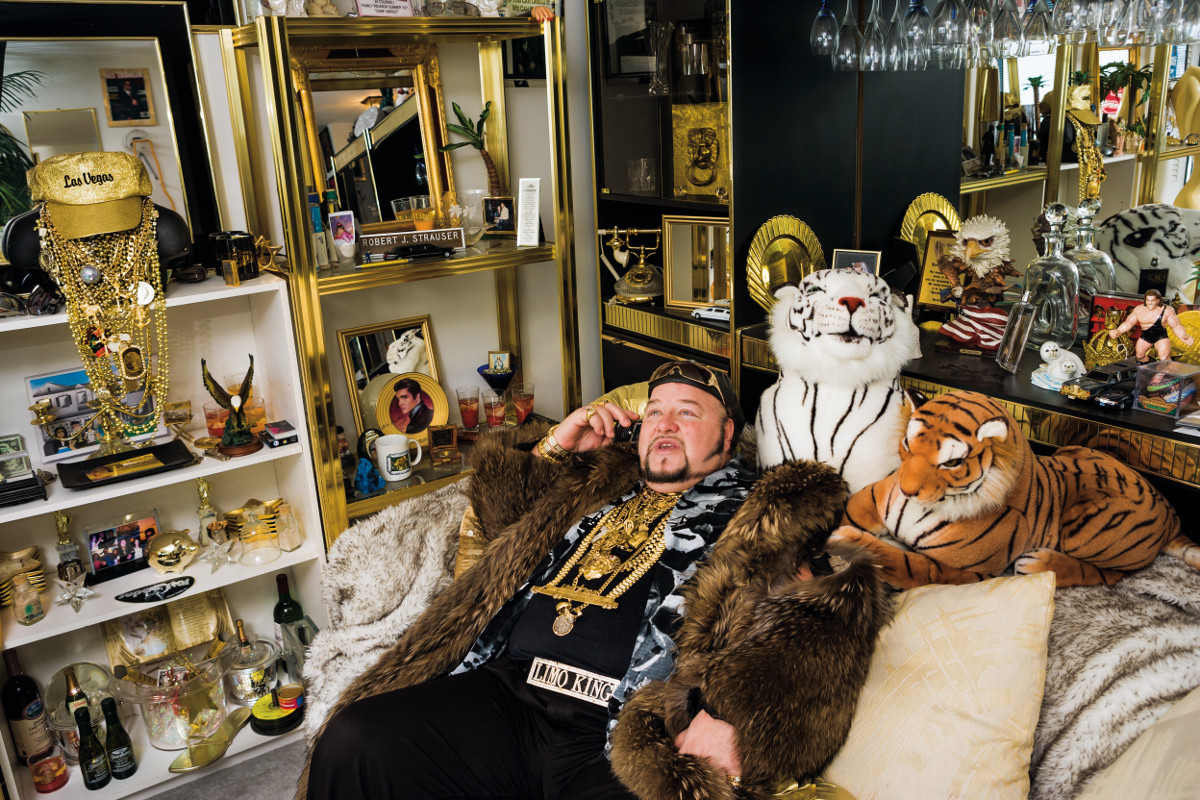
1117, 395
1097, 378
718, 312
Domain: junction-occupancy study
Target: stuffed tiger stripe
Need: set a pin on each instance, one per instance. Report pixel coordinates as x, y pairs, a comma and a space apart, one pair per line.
970, 499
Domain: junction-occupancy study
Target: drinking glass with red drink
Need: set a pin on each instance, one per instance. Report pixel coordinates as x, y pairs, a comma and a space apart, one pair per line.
493, 405
523, 400
468, 406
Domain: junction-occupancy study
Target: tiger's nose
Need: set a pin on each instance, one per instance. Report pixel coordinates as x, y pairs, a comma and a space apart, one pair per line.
851, 303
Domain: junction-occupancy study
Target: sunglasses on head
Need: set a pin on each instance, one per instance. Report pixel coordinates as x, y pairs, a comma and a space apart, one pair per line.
689, 371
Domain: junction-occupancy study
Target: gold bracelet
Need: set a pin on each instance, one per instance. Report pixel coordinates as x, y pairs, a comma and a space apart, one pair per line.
550, 449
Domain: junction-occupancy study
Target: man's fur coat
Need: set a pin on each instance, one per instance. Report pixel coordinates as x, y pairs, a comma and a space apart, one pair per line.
781, 659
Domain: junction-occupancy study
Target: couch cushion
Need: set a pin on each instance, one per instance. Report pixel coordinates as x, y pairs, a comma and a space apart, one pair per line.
952, 697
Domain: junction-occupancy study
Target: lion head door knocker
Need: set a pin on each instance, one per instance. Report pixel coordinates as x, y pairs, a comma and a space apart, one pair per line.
704, 149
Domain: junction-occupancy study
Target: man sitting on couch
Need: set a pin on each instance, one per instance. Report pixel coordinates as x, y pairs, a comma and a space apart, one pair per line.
510, 683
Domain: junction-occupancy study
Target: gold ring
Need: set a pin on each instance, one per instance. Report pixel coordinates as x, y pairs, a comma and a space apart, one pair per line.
591, 412
734, 780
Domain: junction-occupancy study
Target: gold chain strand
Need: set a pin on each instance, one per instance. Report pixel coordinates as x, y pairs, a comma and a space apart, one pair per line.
636, 525
106, 280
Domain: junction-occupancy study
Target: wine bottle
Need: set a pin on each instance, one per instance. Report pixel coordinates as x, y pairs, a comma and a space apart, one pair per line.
93, 762
286, 610
76, 699
118, 747
25, 711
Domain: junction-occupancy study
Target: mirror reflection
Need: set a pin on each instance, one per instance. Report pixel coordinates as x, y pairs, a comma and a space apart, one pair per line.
72, 104
696, 260
373, 127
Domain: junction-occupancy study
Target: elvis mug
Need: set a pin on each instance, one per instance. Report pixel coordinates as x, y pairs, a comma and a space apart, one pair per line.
392, 456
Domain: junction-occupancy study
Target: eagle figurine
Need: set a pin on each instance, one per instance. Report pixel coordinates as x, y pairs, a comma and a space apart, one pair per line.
975, 266
237, 435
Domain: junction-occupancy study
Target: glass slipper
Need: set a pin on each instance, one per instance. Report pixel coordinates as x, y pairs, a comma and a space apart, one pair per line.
209, 750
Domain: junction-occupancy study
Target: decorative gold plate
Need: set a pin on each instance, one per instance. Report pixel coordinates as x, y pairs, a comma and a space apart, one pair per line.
379, 395
1180, 351
784, 250
928, 212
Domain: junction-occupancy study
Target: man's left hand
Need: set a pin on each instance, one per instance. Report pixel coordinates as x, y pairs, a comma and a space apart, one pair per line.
711, 739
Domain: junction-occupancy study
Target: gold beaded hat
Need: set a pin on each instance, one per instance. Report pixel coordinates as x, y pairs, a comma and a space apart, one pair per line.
87, 194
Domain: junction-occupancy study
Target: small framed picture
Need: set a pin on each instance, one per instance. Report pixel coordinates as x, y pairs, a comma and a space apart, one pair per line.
525, 59
499, 361
935, 286
341, 223
128, 101
859, 260
118, 547
1113, 307
500, 213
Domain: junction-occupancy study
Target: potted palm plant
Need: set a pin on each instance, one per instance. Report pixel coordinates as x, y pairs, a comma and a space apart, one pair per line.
15, 88
473, 133
1124, 75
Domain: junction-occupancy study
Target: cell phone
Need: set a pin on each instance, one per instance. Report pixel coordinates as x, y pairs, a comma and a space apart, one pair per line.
627, 433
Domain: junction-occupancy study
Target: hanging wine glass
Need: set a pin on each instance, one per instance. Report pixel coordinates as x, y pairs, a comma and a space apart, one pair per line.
979, 33
1189, 22
824, 35
873, 56
947, 34
1108, 27
1074, 19
849, 43
1135, 22
895, 40
1007, 34
1164, 22
1038, 32
916, 25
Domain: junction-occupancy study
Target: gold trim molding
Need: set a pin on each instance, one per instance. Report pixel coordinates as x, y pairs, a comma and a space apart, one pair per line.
668, 329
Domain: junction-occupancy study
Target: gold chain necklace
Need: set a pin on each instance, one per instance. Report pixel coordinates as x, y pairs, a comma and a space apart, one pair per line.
636, 526
117, 315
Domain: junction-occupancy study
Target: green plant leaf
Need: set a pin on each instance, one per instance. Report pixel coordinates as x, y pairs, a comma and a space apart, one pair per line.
462, 117
16, 87
468, 133
447, 148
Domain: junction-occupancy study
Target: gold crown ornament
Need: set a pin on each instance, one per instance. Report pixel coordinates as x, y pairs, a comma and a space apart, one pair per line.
88, 194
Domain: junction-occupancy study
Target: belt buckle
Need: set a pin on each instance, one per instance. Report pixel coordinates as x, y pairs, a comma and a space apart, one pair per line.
591, 687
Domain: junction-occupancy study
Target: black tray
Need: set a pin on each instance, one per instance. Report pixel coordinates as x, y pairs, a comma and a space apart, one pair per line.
173, 455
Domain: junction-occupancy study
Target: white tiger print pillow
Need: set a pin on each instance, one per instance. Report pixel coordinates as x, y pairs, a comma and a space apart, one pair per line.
1139, 235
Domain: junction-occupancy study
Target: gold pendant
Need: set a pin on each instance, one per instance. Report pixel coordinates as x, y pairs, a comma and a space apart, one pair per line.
565, 620
597, 565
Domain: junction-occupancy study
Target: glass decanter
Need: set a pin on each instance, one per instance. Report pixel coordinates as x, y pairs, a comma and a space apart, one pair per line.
1096, 271
1052, 288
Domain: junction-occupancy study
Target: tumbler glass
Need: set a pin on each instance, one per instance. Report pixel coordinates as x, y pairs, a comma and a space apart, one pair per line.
402, 208
422, 212
468, 406
523, 400
493, 405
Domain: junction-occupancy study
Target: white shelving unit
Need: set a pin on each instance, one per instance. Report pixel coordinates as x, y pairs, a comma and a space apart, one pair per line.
205, 320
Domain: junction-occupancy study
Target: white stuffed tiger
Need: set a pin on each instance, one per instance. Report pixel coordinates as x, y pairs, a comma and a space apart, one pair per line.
840, 339
1155, 234
407, 353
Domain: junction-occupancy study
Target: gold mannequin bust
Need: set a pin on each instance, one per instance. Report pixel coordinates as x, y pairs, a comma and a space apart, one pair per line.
1186, 97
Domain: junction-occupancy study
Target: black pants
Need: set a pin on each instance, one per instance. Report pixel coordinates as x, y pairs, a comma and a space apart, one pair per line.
481, 734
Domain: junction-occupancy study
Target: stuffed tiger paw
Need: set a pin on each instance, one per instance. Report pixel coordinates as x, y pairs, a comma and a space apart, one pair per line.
970, 499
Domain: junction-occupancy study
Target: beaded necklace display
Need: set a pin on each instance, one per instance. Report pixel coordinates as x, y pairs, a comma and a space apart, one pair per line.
117, 315
635, 527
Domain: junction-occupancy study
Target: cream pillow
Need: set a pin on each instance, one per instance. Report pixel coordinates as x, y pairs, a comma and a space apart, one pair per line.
953, 694
1161, 763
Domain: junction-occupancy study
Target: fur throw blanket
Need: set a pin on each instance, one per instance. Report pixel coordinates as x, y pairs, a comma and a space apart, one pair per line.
1120, 656
369, 606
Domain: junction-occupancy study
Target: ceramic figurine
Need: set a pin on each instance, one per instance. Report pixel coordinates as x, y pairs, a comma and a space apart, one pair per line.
1058, 365
367, 478
976, 265
1153, 317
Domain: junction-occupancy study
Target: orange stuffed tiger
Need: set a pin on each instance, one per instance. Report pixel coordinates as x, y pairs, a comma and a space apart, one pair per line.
970, 498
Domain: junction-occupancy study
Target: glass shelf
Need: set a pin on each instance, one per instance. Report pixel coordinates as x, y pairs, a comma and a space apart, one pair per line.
1031, 175
487, 254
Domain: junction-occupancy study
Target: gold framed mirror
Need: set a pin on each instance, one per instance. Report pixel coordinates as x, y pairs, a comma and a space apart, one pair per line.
373, 123
65, 130
695, 261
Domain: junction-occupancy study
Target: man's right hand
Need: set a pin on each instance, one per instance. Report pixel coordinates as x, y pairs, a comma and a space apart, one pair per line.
592, 426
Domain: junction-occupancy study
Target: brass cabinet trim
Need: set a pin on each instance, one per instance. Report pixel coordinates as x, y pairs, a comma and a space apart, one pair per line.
668, 329
391, 273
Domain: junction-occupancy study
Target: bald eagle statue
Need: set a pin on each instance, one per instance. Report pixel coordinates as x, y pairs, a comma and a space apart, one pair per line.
975, 266
237, 437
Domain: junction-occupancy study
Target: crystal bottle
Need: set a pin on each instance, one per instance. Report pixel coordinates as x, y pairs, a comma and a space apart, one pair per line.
27, 606
1096, 271
1052, 288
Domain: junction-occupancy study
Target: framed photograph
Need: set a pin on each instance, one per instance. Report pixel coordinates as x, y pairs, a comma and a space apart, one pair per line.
933, 282
1117, 304
499, 361
145, 637
128, 101
630, 50
341, 223
118, 547
859, 260
69, 392
384, 349
408, 404
501, 214
525, 59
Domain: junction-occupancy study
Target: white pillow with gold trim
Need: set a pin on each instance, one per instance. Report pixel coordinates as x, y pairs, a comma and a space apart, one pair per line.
953, 694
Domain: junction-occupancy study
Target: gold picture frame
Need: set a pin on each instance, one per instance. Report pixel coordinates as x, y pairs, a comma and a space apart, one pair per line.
933, 281
128, 101
861, 260
381, 408
384, 348
147, 636
696, 264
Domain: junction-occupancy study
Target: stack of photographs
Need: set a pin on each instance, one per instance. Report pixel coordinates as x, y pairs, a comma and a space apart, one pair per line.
19, 483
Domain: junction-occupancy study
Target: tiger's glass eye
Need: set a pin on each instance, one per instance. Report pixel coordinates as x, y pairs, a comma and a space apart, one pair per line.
953, 463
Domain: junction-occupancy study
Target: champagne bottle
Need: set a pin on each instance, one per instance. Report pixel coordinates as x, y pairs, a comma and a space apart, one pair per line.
76, 699
286, 610
118, 747
25, 711
93, 762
